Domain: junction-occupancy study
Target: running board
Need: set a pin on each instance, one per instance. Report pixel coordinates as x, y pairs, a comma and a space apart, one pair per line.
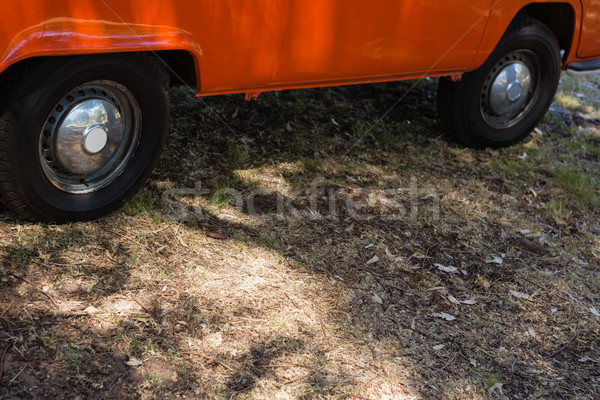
584, 68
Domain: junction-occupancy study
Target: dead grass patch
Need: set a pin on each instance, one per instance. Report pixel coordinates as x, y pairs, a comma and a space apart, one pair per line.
379, 262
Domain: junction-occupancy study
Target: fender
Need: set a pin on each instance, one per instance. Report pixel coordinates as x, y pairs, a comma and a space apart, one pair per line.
70, 36
228, 50
498, 23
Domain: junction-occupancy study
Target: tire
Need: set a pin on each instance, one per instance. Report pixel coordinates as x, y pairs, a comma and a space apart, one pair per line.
80, 135
501, 102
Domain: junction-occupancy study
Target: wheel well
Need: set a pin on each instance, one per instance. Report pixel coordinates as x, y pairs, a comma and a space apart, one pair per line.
181, 67
179, 63
558, 17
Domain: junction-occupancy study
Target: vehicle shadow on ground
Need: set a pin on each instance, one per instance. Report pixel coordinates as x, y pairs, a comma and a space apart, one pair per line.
344, 125
370, 257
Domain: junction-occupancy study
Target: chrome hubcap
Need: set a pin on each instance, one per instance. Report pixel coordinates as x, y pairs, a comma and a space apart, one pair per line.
514, 91
90, 137
510, 90
95, 139
506, 94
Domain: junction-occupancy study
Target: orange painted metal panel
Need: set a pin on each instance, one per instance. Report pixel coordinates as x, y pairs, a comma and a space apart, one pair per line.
236, 42
589, 45
258, 45
328, 40
501, 14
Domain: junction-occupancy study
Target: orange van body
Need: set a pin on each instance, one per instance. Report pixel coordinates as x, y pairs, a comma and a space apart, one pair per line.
260, 45
84, 103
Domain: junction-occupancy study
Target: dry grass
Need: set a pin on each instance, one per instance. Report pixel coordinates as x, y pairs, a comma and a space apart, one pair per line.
376, 261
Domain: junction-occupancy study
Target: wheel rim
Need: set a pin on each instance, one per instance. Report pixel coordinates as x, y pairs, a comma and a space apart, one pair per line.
511, 89
89, 137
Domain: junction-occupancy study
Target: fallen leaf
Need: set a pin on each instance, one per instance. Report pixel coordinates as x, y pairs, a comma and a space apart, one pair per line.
252, 232
519, 295
497, 386
469, 302
438, 347
450, 270
453, 299
91, 310
483, 282
437, 288
594, 311
373, 260
544, 238
216, 235
525, 231
133, 362
560, 221
531, 246
377, 299
532, 332
420, 256
369, 246
389, 254
495, 260
140, 316
445, 316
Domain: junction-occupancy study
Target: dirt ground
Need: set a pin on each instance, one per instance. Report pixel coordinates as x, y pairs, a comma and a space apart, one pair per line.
303, 247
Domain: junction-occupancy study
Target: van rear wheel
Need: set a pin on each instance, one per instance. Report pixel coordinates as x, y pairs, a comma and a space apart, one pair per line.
501, 102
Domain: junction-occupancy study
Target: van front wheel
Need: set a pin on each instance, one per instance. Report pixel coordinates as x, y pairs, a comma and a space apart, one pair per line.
80, 135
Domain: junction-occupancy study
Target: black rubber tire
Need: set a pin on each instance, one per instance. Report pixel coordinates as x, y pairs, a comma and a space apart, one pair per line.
460, 103
30, 94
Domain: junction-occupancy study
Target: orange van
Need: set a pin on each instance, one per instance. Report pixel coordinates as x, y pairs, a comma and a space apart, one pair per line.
84, 106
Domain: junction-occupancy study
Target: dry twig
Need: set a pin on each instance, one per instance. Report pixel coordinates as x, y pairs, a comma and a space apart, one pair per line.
562, 348
2, 360
176, 308
356, 396
36, 288
7, 308
445, 365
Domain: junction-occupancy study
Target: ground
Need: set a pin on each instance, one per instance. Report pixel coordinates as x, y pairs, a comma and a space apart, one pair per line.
322, 244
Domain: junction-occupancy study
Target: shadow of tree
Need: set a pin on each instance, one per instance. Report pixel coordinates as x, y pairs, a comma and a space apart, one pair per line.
296, 300
256, 363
